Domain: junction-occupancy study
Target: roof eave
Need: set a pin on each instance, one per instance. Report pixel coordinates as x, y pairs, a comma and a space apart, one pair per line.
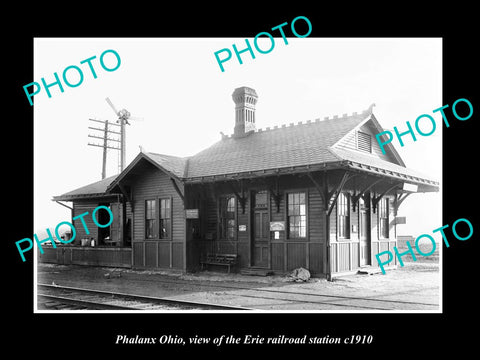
268, 172
431, 185
83, 196
396, 175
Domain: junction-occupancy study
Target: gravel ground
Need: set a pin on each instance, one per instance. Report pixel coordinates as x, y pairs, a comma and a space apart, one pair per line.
412, 287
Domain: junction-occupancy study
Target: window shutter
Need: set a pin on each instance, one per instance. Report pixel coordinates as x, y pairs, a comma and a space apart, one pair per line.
364, 142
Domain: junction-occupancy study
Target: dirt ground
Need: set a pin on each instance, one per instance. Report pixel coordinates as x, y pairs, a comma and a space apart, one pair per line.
416, 286
417, 283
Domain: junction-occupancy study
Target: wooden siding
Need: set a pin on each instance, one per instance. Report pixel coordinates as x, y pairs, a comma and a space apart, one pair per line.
345, 252
153, 184
78, 209
91, 256
379, 244
284, 254
116, 227
350, 142
296, 255
183, 252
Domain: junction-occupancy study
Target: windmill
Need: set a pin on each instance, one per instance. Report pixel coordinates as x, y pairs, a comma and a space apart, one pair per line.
123, 117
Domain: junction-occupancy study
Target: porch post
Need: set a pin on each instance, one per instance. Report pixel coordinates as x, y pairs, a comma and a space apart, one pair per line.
328, 267
326, 197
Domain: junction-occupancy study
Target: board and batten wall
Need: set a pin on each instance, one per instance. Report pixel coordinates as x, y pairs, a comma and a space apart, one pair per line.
154, 184
345, 256
284, 254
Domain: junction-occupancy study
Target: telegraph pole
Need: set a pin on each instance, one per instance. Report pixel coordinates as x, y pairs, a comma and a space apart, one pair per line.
104, 164
122, 143
106, 131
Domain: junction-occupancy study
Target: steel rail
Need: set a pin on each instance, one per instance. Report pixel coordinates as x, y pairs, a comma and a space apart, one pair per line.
146, 299
333, 297
83, 303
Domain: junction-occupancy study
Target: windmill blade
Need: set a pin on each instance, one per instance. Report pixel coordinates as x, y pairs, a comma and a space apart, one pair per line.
111, 105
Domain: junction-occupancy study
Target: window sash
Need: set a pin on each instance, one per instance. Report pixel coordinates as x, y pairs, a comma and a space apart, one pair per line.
297, 215
227, 221
165, 223
158, 226
343, 216
383, 218
150, 221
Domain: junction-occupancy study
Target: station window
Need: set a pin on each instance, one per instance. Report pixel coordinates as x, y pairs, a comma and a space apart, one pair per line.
150, 226
343, 216
383, 218
296, 215
227, 217
165, 218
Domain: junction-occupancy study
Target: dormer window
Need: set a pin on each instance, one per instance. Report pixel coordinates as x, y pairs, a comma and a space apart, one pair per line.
364, 142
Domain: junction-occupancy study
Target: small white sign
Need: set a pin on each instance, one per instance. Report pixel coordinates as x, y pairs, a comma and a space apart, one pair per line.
410, 187
191, 213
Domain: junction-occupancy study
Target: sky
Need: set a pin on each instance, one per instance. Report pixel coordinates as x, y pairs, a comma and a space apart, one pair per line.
177, 87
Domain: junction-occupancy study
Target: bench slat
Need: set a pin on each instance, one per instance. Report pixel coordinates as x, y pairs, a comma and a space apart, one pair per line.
220, 259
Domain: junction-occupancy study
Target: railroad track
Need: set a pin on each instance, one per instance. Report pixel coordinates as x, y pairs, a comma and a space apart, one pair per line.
285, 296
54, 297
276, 299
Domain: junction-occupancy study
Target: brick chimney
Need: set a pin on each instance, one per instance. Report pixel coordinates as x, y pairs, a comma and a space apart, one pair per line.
245, 99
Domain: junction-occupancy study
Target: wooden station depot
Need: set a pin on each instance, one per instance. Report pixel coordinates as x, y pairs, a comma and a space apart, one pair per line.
317, 194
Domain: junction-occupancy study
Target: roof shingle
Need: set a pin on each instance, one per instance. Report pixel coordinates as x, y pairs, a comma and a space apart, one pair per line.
97, 188
288, 146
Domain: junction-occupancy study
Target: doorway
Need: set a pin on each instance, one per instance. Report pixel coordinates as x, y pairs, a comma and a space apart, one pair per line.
260, 230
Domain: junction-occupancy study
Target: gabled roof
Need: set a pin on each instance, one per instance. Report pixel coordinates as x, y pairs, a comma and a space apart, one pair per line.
173, 166
95, 189
281, 147
390, 149
296, 147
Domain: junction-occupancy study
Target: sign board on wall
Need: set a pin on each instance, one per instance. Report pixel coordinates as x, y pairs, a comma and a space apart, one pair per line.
191, 213
277, 225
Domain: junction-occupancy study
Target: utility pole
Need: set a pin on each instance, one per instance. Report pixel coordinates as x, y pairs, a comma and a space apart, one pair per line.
106, 131
122, 143
104, 164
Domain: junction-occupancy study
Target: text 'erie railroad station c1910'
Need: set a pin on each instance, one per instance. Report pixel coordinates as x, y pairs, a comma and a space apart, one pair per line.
318, 194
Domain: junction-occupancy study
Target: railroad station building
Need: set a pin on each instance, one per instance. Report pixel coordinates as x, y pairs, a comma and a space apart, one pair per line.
317, 194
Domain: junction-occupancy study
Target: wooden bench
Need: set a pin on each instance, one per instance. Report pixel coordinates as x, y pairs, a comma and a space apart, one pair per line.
228, 260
